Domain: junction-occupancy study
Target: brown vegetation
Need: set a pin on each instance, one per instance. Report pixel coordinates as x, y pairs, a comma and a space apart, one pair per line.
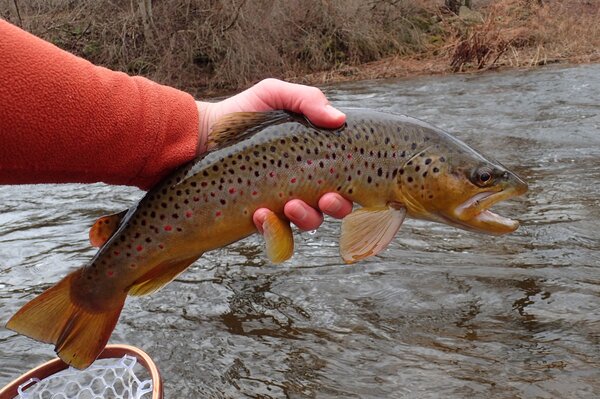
204, 46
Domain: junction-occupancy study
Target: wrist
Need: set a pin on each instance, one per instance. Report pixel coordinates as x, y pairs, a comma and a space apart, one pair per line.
204, 125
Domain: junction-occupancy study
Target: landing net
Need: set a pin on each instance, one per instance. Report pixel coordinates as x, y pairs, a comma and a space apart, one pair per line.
106, 378
122, 372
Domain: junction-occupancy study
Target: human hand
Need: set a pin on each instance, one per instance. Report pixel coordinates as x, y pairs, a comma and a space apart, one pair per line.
272, 94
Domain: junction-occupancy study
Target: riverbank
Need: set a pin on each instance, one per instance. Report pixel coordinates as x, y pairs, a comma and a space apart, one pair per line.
211, 48
501, 35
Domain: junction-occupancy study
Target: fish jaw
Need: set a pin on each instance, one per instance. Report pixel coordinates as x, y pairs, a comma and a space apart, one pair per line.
474, 213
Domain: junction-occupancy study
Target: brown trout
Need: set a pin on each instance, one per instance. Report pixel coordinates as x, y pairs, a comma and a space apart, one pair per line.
392, 165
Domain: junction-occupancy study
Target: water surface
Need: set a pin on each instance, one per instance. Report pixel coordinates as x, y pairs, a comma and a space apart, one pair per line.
442, 313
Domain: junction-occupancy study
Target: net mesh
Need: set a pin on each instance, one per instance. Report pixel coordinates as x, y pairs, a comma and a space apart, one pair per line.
106, 378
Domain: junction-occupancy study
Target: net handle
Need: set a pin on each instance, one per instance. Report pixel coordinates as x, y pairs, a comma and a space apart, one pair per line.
111, 351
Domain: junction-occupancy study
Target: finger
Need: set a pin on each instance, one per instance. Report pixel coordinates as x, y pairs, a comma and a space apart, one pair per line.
335, 205
259, 217
301, 99
302, 215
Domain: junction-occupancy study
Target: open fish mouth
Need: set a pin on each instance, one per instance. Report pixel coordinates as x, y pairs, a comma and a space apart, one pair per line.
474, 213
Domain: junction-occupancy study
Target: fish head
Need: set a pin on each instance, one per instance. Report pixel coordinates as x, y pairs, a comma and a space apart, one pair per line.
451, 183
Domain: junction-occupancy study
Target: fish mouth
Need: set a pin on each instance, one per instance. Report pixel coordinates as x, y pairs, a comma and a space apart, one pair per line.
474, 213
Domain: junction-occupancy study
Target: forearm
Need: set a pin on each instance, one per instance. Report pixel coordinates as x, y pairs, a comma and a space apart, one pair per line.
63, 119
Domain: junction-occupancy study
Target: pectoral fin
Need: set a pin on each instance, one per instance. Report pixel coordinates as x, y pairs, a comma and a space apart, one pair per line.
104, 228
278, 237
367, 231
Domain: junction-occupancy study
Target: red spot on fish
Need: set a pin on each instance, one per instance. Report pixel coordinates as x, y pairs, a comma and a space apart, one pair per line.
218, 213
349, 156
319, 181
116, 253
196, 199
168, 228
328, 145
139, 248
232, 190
161, 246
133, 266
332, 171
188, 214
280, 195
308, 161
272, 174
254, 193
212, 194
293, 180
110, 273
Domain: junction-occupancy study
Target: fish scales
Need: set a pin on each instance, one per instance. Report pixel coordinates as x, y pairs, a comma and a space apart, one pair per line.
213, 206
391, 165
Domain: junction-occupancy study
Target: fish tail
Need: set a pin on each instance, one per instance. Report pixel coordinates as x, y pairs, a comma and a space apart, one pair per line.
56, 316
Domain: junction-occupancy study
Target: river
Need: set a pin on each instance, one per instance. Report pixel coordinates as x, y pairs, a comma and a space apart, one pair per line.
442, 313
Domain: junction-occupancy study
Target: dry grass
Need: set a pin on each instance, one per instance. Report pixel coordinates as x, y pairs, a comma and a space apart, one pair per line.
224, 44
207, 46
525, 33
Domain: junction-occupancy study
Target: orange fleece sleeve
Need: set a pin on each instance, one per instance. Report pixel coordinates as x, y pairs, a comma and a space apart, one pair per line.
63, 119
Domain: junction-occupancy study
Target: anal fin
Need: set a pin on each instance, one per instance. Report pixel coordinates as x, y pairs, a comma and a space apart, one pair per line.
160, 276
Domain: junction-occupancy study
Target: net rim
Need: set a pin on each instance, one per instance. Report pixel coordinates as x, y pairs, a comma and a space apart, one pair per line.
110, 352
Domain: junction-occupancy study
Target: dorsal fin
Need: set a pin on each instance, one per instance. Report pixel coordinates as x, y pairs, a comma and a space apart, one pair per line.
105, 227
237, 126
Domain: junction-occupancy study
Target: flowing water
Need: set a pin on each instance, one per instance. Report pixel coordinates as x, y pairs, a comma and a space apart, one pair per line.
442, 313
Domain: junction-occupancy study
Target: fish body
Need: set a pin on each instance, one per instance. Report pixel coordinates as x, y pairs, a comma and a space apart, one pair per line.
391, 165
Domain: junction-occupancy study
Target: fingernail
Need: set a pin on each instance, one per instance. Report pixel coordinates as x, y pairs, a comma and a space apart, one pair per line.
298, 213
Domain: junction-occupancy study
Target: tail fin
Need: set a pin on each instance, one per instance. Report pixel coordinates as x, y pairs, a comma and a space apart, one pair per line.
79, 334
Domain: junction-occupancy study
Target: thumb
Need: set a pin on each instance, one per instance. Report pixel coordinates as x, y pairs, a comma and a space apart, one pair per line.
301, 99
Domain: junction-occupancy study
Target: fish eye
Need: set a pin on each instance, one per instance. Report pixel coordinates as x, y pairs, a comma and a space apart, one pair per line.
484, 176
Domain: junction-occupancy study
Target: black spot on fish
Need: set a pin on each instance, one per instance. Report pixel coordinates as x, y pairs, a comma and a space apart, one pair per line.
435, 170
410, 179
379, 172
417, 168
442, 159
413, 146
427, 161
223, 202
369, 179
